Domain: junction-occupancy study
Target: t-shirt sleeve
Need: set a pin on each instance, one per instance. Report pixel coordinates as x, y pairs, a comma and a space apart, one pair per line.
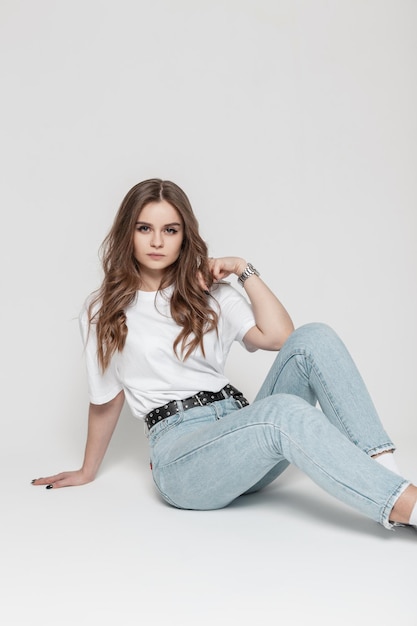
236, 313
102, 386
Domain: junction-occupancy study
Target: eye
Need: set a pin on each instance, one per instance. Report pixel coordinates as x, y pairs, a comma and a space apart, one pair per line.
142, 228
171, 230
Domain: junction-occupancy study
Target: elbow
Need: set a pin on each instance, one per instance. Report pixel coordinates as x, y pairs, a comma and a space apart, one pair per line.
284, 335
280, 335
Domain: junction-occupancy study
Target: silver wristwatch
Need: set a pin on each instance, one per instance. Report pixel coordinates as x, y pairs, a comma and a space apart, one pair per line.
248, 271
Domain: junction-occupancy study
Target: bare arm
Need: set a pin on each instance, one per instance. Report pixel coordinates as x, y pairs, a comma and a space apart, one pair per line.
102, 420
273, 323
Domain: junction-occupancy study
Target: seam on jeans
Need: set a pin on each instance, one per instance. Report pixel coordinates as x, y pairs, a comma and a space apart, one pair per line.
297, 352
330, 399
384, 510
302, 352
323, 471
190, 454
214, 440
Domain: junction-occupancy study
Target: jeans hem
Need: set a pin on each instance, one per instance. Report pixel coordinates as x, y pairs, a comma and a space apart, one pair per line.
385, 447
391, 503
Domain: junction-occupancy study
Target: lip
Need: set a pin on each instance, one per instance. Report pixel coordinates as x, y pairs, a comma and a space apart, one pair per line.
156, 256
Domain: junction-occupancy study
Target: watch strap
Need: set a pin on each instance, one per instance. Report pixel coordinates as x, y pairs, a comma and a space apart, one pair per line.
247, 272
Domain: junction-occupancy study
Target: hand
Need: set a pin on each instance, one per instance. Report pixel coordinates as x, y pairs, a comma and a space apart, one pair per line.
64, 479
224, 266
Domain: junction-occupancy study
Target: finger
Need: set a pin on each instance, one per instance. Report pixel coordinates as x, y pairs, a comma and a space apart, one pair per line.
42, 481
215, 268
221, 268
63, 482
49, 479
220, 272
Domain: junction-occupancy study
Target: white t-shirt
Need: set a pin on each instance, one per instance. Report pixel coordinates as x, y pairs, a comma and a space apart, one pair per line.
147, 369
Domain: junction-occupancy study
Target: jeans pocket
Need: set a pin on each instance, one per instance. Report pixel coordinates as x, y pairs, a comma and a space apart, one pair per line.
164, 426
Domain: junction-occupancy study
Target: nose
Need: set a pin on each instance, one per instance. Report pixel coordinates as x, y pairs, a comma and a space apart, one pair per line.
157, 240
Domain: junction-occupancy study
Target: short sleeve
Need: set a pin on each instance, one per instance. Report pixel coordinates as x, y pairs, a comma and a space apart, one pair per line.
102, 386
236, 313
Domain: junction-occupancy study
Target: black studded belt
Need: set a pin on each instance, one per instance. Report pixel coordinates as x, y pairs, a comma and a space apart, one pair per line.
202, 398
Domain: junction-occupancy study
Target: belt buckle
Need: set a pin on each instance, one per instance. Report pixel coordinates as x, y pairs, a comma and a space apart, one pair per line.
198, 400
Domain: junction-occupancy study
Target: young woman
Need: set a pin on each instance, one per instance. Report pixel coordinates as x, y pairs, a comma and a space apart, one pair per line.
157, 333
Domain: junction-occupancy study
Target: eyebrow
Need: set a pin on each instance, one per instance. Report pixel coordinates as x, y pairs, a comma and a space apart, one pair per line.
164, 226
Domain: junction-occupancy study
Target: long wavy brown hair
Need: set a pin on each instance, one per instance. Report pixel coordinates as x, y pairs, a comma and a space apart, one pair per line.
190, 307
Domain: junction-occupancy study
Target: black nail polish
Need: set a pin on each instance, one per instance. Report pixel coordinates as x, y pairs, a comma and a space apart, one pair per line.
33, 481
49, 487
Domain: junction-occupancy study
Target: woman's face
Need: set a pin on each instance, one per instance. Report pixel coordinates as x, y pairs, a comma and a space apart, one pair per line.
158, 237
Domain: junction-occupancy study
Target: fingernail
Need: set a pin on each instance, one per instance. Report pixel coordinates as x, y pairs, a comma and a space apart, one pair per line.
35, 479
49, 487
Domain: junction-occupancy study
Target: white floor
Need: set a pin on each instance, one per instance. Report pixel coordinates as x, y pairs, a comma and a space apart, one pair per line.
112, 552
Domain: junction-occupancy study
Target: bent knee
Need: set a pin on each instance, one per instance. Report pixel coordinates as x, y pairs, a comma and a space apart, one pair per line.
315, 333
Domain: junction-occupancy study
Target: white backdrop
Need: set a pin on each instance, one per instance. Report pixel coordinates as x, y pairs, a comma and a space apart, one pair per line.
291, 125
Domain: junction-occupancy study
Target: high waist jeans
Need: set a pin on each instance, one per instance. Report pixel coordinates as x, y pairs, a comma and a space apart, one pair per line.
206, 457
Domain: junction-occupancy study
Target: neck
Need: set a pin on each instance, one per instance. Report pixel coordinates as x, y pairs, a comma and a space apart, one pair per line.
150, 281
147, 286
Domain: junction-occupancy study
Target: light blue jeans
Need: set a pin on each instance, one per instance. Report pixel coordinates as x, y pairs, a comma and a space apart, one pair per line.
206, 457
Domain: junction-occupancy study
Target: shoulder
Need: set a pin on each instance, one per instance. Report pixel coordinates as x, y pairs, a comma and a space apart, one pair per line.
224, 291
228, 298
